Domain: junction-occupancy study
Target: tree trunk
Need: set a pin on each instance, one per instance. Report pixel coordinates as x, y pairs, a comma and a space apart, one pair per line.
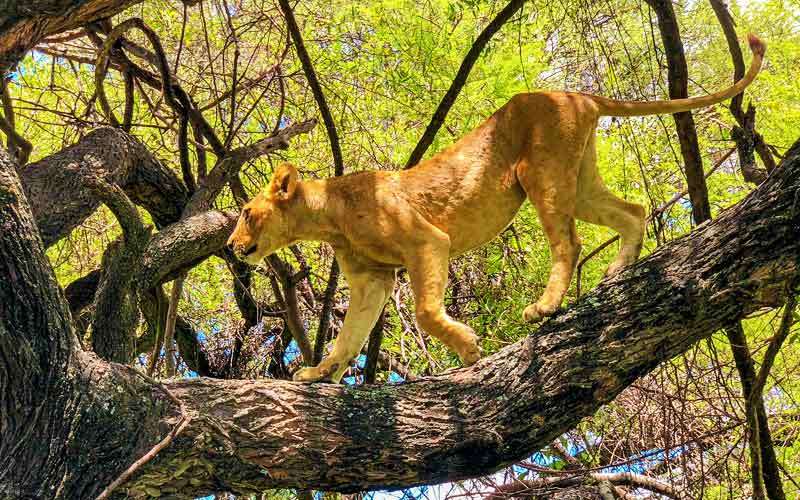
71, 423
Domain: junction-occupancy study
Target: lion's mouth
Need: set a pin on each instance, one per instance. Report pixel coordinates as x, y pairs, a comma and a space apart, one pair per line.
250, 250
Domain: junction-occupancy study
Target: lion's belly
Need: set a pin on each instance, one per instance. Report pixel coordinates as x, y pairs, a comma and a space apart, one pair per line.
470, 191
473, 224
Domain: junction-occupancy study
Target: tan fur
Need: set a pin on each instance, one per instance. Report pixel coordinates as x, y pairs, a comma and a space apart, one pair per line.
538, 146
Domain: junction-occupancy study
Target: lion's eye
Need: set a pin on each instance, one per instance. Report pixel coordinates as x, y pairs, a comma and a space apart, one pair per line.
246, 214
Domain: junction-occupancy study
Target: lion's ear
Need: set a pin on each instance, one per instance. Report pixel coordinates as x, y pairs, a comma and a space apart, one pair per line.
284, 182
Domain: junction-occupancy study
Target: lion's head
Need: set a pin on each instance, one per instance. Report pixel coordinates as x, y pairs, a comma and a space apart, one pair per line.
263, 226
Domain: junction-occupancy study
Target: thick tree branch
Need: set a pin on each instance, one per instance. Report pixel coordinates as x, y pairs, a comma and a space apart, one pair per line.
60, 199
116, 312
183, 245
24, 24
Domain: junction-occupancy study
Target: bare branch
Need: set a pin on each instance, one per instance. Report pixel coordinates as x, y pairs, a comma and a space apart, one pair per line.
374, 348
232, 162
292, 315
169, 328
538, 488
316, 89
678, 77
18, 145
326, 313
27, 23
460, 80
101, 68
746, 127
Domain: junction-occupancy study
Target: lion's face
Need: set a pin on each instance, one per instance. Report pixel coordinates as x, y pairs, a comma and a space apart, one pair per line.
263, 226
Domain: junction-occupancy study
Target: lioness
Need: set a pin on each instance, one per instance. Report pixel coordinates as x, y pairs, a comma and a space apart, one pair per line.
540, 146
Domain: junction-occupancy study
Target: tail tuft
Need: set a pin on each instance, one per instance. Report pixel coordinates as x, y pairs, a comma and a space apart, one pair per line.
757, 46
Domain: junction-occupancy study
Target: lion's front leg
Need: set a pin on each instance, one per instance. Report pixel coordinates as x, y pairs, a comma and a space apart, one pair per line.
369, 291
427, 269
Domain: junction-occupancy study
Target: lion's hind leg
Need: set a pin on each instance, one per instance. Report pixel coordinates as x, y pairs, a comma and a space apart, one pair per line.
558, 224
551, 185
597, 205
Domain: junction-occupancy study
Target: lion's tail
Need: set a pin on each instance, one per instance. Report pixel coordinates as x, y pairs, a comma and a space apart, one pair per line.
610, 107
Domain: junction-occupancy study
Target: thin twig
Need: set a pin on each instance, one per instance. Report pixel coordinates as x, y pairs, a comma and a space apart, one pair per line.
774, 347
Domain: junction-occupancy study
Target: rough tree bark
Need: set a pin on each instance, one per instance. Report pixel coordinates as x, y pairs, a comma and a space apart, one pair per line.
64, 411
23, 24
61, 200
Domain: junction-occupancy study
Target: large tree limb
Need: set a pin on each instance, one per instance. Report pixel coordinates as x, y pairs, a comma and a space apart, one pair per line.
116, 313
253, 435
60, 199
24, 24
183, 245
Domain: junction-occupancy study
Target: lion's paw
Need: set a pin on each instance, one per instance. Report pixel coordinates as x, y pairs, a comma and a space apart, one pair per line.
613, 269
308, 374
322, 372
470, 356
536, 312
470, 353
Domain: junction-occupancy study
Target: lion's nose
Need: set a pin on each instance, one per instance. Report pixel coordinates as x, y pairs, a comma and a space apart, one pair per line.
230, 246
